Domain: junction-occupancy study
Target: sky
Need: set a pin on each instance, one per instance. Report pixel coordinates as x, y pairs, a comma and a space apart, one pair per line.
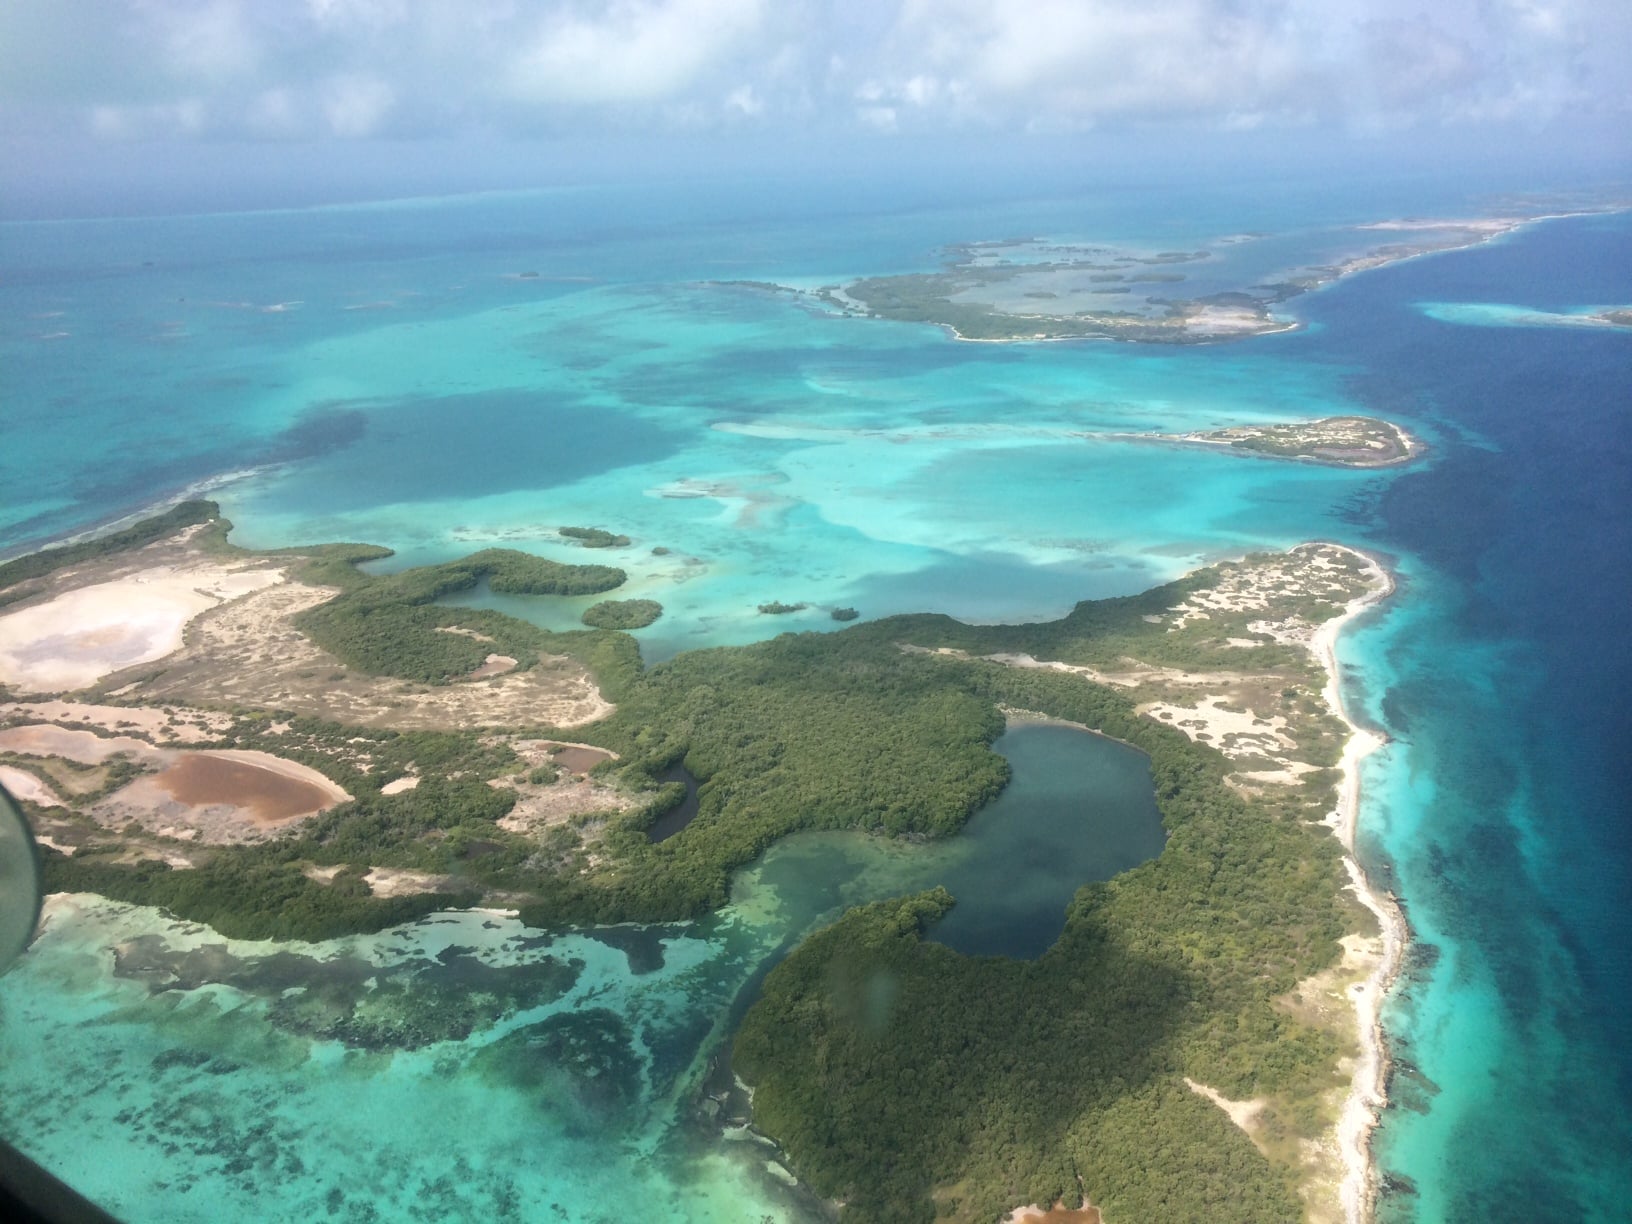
98, 93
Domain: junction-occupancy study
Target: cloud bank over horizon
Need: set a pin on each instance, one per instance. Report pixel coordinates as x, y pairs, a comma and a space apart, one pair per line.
304, 70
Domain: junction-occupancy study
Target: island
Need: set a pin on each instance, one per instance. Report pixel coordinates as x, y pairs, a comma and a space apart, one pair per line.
594, 537
1034, 288
281, 746
622, 613
1340, 441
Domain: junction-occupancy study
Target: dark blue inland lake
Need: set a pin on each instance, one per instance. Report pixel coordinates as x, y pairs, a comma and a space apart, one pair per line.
1078, 808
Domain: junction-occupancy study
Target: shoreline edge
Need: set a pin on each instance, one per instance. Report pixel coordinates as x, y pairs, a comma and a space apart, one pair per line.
1368, 1091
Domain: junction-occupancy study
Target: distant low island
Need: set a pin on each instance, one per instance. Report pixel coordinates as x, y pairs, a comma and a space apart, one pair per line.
1031, 289
595, 537
1340, 441
283, 746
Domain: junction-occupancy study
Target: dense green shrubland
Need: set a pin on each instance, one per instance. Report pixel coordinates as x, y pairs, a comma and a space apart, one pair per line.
901, 1077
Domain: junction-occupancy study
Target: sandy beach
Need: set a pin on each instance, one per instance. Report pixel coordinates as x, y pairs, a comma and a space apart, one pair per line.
1368, 1088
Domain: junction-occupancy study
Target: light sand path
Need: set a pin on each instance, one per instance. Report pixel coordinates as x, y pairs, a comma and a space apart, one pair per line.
1242, 1113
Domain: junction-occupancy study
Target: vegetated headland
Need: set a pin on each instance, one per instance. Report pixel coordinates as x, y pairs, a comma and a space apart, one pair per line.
1187, 1049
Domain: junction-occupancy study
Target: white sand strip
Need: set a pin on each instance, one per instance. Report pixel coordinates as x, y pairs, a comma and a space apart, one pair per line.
1368, 1089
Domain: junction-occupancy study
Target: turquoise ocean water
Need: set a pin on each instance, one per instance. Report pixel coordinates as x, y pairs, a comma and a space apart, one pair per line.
388, 373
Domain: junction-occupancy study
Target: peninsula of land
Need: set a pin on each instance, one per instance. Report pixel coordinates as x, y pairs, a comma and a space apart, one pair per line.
283, 746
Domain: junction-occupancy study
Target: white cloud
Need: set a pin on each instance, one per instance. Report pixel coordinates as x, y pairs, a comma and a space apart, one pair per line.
275, 113
629, 52
166, 120
883, 118
744, 101
921, 90
210, 42
360, 68
355, 105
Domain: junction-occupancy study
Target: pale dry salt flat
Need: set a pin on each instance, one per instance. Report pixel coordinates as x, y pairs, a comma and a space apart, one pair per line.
76, 638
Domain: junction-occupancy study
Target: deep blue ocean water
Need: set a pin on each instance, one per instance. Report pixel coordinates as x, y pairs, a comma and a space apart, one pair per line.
1507, 659
390, 376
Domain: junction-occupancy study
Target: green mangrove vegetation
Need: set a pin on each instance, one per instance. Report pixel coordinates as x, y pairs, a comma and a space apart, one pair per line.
901, 1078
1345, 441
595, 537
622, 613
391, 625
983, 295
1061, 1076
49, 560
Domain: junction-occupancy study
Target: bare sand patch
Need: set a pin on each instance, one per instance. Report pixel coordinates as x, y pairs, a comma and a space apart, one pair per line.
79, 636
1478, 225
542, 807
24, 785
1215, 320
400, 882
461, 631
248, 653
1243, 1113
575, 758
398, 785
1057, 1214
494, 665
171, 724
1131, 674
43, 739
746, 502
1325, 571
1234, 732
